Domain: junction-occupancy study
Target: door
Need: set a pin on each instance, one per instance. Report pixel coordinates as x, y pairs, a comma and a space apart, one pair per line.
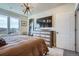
65, 26
77, 31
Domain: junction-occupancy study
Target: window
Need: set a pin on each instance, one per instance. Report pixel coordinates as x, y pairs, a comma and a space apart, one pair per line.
3, 24
14, 25
8, 25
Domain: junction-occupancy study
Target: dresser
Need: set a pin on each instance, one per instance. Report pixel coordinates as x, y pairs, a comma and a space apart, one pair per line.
48, 35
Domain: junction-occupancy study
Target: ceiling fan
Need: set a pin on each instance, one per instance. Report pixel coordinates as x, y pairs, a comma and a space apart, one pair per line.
27, 8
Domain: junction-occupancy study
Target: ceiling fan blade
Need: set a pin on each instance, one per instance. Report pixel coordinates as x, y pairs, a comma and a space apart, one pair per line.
24, 4
25, 11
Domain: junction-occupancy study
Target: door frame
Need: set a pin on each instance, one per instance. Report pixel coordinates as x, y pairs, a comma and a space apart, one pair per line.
76, 10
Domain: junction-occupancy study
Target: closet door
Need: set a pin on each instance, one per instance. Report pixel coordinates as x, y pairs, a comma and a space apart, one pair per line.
65, 34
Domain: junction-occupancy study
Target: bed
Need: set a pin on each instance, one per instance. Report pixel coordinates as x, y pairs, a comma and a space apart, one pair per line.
24, 46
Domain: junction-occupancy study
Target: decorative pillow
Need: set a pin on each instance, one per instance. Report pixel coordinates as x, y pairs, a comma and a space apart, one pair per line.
2, 42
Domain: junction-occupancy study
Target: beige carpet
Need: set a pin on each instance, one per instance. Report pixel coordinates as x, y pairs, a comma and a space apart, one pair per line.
55, 52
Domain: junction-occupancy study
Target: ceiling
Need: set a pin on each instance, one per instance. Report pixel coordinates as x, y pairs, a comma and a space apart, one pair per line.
37, 7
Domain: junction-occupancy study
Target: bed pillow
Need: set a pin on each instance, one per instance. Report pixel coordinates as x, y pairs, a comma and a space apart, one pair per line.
2, 42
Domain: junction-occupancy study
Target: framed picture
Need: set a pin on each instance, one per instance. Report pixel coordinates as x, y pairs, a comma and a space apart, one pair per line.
23, 23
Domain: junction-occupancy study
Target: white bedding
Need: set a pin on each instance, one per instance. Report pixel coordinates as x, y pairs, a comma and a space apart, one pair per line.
16, 38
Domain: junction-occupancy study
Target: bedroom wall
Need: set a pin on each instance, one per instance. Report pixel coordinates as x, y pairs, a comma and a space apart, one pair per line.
66, 8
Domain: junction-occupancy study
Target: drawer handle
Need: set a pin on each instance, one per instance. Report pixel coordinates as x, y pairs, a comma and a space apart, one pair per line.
57, 32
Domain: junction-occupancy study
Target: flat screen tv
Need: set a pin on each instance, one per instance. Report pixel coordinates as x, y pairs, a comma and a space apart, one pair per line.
45, 21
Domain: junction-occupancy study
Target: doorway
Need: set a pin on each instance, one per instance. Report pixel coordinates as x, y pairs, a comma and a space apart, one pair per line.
31, 27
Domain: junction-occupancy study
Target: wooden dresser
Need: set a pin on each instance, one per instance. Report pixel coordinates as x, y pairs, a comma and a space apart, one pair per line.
48, 36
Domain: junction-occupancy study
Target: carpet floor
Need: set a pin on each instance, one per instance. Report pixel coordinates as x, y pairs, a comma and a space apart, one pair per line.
55, 52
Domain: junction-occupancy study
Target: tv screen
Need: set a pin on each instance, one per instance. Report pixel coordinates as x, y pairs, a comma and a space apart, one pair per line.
45, 21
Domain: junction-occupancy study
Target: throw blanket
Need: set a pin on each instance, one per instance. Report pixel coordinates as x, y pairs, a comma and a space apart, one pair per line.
31, 47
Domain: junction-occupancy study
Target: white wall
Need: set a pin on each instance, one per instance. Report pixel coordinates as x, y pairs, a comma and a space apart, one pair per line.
66, 8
